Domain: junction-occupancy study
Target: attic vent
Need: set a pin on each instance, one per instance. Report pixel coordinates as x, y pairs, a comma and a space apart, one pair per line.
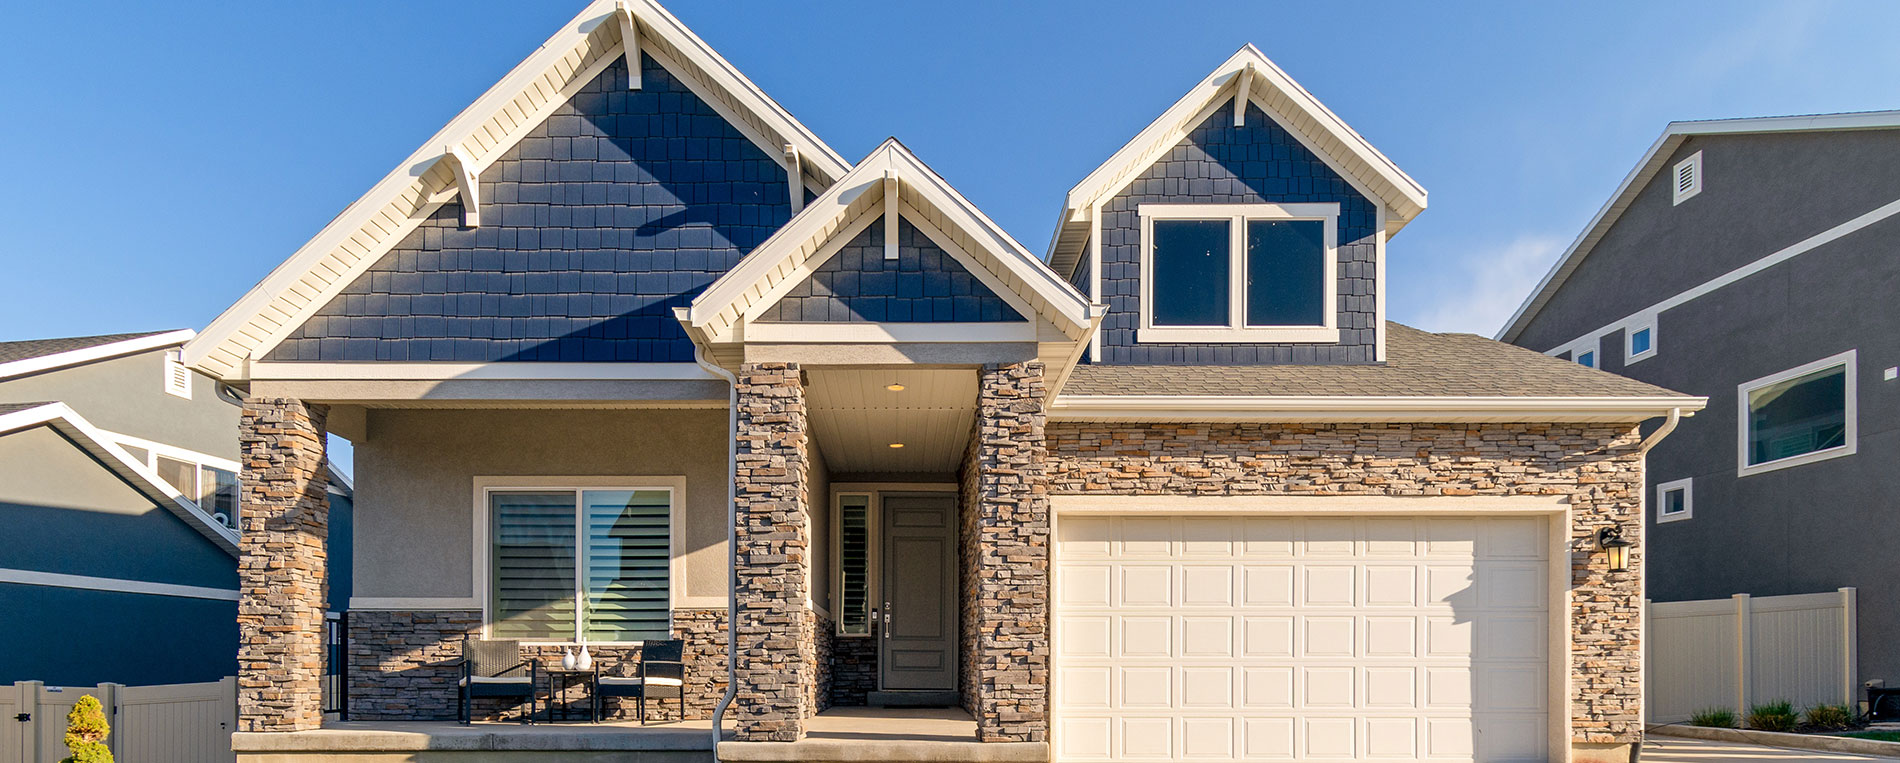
177, 374
1688, 177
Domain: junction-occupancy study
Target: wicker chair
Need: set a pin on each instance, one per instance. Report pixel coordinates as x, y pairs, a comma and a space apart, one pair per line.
496, 669
662, 675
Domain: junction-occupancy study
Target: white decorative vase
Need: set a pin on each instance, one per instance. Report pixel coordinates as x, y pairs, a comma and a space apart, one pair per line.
586, 661
567, 659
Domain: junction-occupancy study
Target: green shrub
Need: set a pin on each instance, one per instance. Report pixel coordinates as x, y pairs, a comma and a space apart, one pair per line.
1714, 717
86, 732
1829, 718
1778, 715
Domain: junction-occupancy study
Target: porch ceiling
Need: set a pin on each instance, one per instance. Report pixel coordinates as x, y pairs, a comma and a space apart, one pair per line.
855, 418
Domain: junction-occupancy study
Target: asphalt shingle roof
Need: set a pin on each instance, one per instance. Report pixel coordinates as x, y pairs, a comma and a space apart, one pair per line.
1418, 364
34, 348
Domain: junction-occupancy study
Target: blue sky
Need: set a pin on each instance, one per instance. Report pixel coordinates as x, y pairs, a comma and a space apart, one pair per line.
160, 159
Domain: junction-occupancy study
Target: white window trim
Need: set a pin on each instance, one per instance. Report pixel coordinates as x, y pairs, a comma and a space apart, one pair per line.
175, 369
676, 515
1687, 486
1237, 329
1694, 163
1848, 448
1629, 341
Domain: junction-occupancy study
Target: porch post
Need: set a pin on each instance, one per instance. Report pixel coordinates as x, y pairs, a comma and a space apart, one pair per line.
284, 518
776, 659
1006, 532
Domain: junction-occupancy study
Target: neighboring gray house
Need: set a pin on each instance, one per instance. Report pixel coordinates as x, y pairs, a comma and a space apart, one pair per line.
627, 353
1753, 261
118, 492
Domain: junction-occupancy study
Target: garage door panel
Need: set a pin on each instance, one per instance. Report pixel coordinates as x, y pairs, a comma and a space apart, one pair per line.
1315, 638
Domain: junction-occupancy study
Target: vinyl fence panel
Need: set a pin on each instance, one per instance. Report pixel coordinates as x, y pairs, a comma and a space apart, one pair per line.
158, 724
1733, 653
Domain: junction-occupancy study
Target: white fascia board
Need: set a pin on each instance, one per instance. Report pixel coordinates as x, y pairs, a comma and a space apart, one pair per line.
99, 352
1343, 408
381, 371
100, 445
1645, 170
886, 333
232, 331
116, 585
1402, 193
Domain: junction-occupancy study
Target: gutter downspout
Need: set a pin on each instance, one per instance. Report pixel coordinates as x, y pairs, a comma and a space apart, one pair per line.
1669, 425
1642, 579
732, 541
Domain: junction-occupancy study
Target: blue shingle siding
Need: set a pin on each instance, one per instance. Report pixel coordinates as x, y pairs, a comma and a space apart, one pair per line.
621, 206
924, 284
1221, 164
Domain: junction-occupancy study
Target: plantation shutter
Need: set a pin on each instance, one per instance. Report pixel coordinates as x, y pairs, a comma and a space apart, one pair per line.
625, 560
854, 542
531, 591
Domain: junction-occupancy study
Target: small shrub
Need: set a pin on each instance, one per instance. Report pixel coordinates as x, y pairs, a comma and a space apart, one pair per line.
1773, 716
1714, 717
86, 732
1829, 718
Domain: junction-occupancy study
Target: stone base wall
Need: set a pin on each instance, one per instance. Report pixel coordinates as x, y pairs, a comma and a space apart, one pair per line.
823, 640
1596, 466
853, 669
402, 667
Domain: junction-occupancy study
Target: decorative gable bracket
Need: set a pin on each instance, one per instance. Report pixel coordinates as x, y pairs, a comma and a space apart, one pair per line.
466, 183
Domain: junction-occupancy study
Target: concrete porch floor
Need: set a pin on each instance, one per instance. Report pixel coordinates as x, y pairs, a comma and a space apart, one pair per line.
839, 735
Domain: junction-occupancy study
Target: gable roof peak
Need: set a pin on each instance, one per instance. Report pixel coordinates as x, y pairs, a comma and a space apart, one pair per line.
1285, 101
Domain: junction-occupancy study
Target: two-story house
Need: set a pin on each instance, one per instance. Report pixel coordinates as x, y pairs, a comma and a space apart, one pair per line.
628, 354
119, 495
1747, 260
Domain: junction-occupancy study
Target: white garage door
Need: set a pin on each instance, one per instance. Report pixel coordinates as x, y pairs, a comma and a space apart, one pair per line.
1261, 638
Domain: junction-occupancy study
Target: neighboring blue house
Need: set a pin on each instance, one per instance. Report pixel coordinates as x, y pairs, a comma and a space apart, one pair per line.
119, 494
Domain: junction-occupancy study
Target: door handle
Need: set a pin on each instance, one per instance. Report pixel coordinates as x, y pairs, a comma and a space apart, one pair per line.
887, 620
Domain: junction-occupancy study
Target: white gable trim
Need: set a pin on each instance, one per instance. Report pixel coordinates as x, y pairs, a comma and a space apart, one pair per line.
97, 443
1646, 170
1289, 104
857, 201
99, 352
485, 131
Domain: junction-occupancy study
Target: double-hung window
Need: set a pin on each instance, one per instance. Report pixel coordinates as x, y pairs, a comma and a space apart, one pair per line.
1239, 273
586, 565
1798, 416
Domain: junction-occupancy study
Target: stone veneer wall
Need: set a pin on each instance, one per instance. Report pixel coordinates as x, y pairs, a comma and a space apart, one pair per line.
1596, 465
777, 660
402, 666
1004, 559
853, 669
284, 517
823, 640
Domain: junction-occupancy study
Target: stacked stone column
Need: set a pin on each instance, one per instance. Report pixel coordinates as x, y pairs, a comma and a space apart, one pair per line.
776, 665
284, 520
1006, 553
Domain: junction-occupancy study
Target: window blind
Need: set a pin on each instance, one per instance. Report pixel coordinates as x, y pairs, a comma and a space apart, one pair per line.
531, 584
625, 560
854, 538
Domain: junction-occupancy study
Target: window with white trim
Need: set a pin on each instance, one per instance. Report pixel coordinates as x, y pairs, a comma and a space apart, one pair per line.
854, 564
210, 482
1239, 272
1587, 358
1798, 416
177, 374
1675, 500
1687, 178
1639, 342
582, 565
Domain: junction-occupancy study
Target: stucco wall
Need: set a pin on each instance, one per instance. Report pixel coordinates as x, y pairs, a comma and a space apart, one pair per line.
415, 477
127, 395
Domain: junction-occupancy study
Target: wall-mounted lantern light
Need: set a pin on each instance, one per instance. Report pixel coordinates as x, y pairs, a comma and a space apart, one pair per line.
1610, 540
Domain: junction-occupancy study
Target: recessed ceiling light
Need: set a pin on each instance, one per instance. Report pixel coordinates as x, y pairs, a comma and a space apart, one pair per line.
894, 387
897, 445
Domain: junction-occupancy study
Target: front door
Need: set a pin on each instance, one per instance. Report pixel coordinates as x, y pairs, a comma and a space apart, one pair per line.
917, 648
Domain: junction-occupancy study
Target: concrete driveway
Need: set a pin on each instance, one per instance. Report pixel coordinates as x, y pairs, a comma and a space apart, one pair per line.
1676, 750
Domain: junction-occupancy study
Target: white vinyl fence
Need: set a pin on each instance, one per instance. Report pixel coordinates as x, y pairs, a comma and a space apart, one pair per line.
1732, 653
150, 724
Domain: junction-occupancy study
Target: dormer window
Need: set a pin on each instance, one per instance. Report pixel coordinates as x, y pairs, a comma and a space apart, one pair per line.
1238, 273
